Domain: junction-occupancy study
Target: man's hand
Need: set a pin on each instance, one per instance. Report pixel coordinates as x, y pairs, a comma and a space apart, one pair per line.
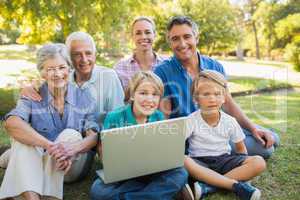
265, 137
30, 93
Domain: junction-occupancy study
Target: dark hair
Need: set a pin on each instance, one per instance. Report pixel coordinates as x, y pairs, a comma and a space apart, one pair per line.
180, 20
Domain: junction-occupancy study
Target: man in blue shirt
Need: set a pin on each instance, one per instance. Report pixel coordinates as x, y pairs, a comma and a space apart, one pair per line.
178, 72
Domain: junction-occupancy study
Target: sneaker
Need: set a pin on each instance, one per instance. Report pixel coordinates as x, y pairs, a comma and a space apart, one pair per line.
201, 190
4, 158
245, 191
185, 193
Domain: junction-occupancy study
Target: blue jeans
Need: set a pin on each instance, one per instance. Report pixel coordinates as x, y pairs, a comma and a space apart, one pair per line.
254, 147
162, 186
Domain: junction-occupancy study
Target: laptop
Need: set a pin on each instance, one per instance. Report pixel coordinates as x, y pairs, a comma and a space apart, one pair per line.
139, 150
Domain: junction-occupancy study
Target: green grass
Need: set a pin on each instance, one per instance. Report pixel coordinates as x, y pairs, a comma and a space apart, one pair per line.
281, 180
243, 84
8, 98
4, 139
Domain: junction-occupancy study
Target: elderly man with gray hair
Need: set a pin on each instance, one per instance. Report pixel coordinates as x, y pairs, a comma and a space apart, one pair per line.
102, 83
38, 128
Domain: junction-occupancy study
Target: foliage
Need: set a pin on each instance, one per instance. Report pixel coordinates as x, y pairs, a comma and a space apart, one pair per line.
7, 100
109, 21
216, 20
46, 20
293, 54
288, 30
224, 24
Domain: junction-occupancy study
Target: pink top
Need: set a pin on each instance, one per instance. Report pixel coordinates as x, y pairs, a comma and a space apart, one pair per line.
127, 67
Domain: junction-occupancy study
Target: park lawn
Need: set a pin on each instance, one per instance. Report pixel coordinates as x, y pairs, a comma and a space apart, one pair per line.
250, 84
281, 180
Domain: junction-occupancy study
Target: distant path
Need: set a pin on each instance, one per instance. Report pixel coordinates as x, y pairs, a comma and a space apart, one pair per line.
261, 71
11, 70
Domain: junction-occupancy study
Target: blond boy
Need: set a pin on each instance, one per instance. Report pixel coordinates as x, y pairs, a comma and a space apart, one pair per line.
210, 131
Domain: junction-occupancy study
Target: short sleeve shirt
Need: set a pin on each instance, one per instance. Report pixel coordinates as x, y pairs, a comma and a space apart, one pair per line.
124, 117
205, 140
106, 90
177, 83
79, 112
127, 67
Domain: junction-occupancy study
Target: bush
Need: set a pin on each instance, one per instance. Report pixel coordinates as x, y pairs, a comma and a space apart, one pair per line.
8, 98
292, 53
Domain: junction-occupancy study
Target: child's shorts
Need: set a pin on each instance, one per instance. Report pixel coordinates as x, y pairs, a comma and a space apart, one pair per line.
223, 163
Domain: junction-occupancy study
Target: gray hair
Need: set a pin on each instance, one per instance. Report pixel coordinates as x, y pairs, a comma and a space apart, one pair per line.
50, 51
180, 20
143, 18
80, 36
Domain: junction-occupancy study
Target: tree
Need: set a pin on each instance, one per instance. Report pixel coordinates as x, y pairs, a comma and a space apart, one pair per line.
288, 30
266, 17
41, 21
216, 20
249, 8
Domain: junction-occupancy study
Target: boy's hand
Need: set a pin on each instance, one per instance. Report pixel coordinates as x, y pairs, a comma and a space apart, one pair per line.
241, 148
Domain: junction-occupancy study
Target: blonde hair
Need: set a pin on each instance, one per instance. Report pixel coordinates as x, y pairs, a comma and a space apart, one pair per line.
143, 18
138, 79
208, 75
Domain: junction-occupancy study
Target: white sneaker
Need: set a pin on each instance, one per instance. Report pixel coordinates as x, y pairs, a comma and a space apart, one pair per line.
4, 158
185, 193
201, 190
197, 191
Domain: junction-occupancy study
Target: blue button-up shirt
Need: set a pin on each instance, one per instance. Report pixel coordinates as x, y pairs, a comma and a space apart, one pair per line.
177, 83
79, 112
105, 88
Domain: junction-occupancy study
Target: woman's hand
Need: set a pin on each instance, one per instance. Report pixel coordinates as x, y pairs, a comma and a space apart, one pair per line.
63, 150
63, 165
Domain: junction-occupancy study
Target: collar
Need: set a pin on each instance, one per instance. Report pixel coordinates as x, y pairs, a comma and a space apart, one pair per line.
157, 58
180, 66
130, 116
47, 98
91, 80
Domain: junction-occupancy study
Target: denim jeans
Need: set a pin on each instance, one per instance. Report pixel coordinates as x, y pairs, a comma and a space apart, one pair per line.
162, 186
254, 147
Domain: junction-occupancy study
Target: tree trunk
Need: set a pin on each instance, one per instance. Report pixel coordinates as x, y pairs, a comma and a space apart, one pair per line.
269, 48
239, 51
256, 40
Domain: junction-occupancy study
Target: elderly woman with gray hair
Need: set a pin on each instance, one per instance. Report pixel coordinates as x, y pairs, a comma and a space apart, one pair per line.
38, 163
